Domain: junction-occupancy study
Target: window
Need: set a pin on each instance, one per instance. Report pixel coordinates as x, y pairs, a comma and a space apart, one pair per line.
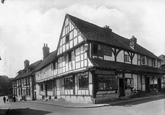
154, 62
73, 55
126, 58
68, 83
143, 60
107, 82
83, 81
67, 38
69, 57
95, 48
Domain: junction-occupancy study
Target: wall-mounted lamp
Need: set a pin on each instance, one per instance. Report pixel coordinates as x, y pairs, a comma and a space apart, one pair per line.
86, 47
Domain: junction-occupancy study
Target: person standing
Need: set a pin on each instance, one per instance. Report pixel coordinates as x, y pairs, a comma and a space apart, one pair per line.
4, 99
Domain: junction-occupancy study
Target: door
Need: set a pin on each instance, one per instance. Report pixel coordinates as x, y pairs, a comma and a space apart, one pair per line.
147, 81
46, 94
121, 87
159, 85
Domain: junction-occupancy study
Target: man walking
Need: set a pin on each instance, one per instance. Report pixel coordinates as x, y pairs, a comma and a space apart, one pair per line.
4, 99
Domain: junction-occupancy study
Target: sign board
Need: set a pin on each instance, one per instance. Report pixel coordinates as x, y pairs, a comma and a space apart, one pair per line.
104, 72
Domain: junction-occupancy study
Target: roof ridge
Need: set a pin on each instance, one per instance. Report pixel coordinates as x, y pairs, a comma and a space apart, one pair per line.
96, 33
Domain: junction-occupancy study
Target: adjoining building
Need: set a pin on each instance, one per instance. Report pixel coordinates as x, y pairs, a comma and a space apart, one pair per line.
162, 57
24, 83
95, 64
45, 74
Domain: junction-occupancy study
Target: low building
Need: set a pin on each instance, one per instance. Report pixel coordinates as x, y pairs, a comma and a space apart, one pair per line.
45, 75
23, 84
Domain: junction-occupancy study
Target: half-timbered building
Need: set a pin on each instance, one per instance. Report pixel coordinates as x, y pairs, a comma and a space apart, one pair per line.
23, 84
94, 64
45, 75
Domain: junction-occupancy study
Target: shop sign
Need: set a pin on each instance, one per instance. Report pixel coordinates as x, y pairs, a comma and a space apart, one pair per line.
104, 72
106, 92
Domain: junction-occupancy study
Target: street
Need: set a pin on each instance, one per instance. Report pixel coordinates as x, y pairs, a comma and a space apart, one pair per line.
143, 107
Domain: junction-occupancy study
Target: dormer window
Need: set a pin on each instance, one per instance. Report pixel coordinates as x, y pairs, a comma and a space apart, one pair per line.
143, 60
126, 58
154, 62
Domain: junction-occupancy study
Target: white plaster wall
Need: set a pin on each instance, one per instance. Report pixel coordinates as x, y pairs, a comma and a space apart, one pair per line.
149, 62
138, 82
120, 56
37, 91
143, 83
134, 61
135, 81
128, 75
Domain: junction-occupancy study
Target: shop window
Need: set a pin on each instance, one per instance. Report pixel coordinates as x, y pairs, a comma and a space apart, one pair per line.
83, 81
68, 83
107, 82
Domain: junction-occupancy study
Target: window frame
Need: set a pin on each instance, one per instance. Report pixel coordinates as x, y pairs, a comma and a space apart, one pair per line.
68, 83
81, 84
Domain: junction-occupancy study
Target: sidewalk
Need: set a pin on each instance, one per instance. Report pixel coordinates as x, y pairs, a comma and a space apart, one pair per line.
63, 103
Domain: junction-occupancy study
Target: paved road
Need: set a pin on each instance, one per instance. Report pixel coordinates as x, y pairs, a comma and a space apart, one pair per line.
150, 107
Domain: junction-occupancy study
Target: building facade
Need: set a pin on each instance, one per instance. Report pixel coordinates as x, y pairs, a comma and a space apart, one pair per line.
162, 57
94, 64
45, 75
23, 84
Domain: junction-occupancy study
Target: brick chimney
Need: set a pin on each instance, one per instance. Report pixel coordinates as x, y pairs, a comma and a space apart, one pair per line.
45, 51
133, 42
26, 63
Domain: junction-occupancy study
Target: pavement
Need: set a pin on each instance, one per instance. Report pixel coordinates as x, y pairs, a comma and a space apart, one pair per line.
3, 111
63, 103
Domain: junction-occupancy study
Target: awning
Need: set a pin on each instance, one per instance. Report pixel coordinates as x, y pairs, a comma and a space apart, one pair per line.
125, 67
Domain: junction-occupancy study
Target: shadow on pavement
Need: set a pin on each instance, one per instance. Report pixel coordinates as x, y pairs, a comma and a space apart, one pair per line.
26, 111
136, 102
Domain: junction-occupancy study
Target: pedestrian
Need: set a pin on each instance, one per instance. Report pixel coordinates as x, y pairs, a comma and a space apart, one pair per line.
14, 99
4, 99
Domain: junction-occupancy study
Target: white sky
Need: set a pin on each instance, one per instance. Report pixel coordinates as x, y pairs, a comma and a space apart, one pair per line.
25, 25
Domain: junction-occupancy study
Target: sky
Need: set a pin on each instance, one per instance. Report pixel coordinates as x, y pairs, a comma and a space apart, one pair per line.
25, 25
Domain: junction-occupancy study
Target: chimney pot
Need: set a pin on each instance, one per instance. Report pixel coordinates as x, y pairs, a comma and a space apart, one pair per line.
26, 63
45, 51
133, 42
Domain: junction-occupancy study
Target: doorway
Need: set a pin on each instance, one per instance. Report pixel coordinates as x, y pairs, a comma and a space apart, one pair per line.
46, 94
159, 85
147, 81
121, 87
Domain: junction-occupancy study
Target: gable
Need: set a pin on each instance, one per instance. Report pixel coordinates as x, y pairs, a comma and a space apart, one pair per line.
70, 36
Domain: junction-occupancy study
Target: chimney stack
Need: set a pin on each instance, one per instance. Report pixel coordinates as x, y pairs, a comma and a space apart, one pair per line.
26, 64
133, 42
45, 51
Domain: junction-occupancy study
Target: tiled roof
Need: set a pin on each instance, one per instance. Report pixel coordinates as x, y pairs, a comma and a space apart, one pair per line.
29, 71
127, 67
99, 34
46, 61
